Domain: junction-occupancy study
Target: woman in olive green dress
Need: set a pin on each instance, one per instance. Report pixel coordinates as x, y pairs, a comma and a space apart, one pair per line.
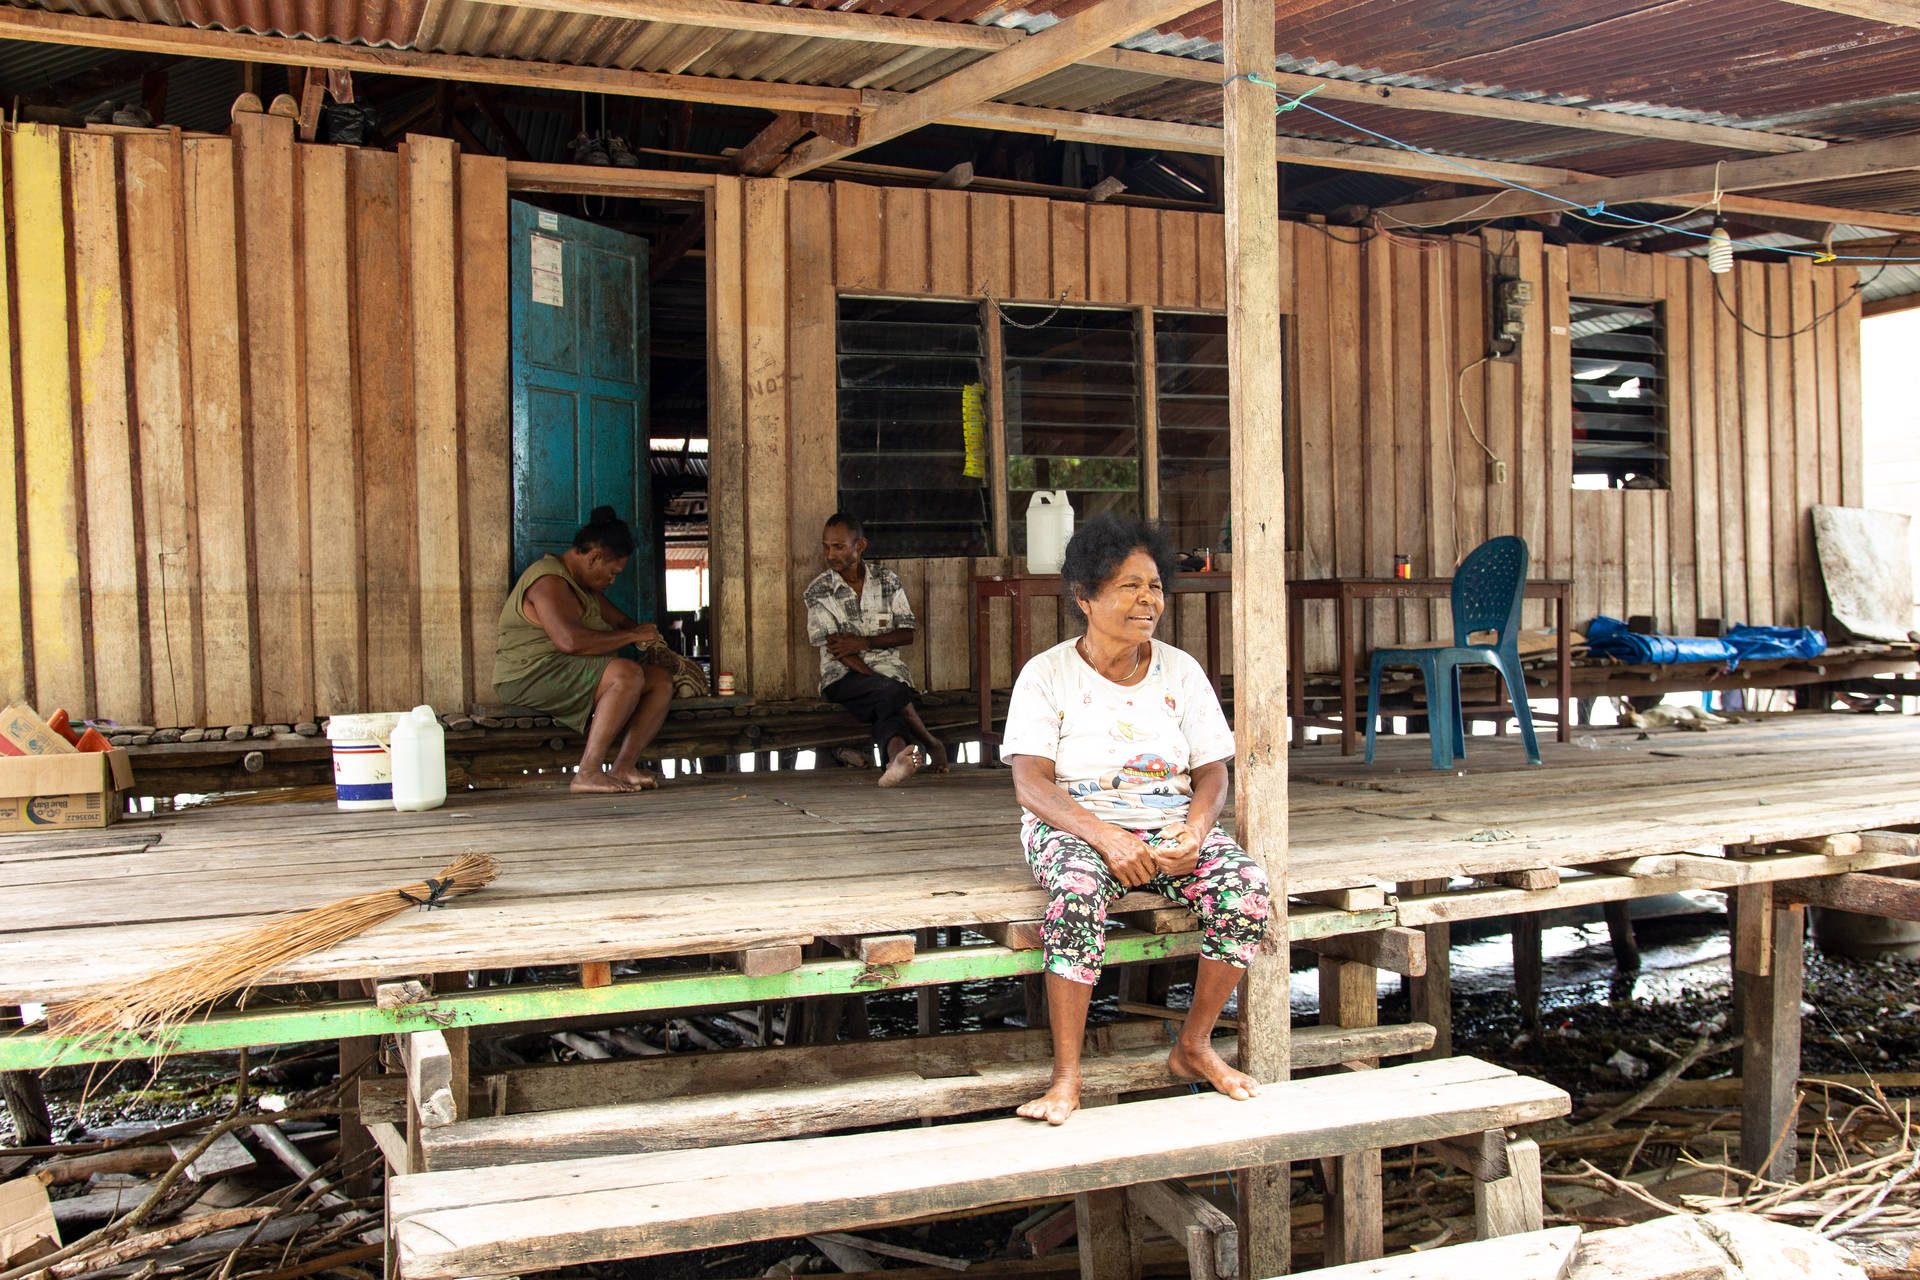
557, 651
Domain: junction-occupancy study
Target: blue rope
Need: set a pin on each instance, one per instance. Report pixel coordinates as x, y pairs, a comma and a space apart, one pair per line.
1596, 210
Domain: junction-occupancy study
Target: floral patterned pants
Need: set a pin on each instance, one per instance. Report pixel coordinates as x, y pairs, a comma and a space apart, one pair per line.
1226, 889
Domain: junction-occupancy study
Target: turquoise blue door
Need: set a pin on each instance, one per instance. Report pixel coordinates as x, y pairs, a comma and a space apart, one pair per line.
580, 392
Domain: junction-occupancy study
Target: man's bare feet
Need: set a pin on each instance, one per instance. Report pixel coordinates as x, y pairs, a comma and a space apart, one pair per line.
592, 780
1061, 1100
1202, 1063
905, 763
636, 779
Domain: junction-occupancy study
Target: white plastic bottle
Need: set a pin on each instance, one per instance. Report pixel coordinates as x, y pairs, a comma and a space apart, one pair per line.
419, 750
1049, 528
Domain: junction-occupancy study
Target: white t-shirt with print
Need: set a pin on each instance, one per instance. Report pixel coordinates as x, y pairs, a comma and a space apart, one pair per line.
1126, 753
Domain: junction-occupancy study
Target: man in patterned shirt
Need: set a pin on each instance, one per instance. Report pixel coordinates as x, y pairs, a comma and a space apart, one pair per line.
859, 618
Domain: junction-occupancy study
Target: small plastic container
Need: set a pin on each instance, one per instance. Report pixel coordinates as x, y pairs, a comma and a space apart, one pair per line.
362, 776
1049, 528
419, 748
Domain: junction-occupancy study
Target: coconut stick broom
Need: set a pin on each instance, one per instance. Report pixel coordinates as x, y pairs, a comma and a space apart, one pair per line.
236, 962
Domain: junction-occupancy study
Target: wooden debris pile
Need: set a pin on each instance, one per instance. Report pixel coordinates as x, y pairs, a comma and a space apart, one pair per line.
253, 1193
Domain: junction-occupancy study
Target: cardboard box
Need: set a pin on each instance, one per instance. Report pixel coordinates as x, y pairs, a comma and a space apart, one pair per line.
48, 793
22, 733
27, 1229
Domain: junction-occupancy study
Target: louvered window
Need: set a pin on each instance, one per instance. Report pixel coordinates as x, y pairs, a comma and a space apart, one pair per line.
1619, 395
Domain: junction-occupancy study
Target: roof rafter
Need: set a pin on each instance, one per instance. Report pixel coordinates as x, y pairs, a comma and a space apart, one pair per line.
743, 15
1685, 186
1058, 46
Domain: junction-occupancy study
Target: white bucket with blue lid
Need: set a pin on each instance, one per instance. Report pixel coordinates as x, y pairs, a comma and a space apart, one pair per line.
362, 769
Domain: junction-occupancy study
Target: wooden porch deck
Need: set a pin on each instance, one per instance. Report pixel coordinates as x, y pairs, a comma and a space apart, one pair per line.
715, 864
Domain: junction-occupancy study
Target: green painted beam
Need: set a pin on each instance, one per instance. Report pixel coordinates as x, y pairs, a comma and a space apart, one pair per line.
294, 1024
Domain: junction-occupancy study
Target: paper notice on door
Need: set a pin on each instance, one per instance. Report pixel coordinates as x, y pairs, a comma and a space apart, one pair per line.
549, 279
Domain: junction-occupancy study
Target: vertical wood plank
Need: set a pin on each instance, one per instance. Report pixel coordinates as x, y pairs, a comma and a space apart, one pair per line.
726, 425
913, 581
48, 455
156, 290
1804, 373
385, 398
1769, 976
903, 223
1210, 264
263, 146
432, 229
1702, 381
1826, 354
812, 485
1678, 570
1143, 257
1106, 253
996, 392
1662, 560
946, 244
1468, 395
1585, 544
1443, 548
944, 630
989, 242
1409, 435
768, 558
858, 239
1031, 250
1376, 618
14, 598
1147, 358
1313, 483
1503, 398
115, 634
1638, 551
1756, 427
1731, 436
336, 537
1852, 454
1346, 301
1556, 313
1069, 234
486, 410
1613, 572
1782, 462
1531, 428
1179, 258
220, 445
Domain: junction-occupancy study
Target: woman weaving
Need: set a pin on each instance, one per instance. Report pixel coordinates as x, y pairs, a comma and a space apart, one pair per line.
1119, 752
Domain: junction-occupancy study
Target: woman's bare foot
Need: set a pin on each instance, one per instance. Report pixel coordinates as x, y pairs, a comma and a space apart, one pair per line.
592, 780
1202, 1063
1061, 1100
905, 763
636, 779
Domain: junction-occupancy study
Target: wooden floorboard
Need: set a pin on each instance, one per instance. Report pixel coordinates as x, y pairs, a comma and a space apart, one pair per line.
717, 863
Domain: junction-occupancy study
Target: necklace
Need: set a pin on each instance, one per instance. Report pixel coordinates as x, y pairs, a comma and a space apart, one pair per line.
1131, 671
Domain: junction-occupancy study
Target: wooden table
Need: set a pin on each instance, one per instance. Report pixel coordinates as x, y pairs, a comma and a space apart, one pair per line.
1023, 588
1344, 591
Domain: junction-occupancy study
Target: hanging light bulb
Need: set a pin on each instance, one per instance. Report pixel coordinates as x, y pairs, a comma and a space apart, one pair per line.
1719, 250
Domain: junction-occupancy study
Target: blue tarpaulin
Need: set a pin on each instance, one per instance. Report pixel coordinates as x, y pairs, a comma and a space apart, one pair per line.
1610, 638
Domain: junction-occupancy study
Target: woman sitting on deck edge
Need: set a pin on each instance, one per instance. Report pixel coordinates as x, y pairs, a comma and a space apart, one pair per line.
1119, 752
557, 652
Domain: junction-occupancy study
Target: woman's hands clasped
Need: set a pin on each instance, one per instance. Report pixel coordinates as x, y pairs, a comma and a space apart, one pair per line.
1175, 852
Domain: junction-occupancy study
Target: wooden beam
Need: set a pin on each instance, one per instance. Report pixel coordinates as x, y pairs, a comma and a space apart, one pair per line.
784, 20
1481, 1156
1887, 306
511, 142
1895, 13
766, 149
1058, 46
1886, 896
1015, 935
1821, 213
430, 1077
1401, 951
1685, 186
875, 949
228, 46
1769, 963
1209, 1236
1512, 1205
758, 962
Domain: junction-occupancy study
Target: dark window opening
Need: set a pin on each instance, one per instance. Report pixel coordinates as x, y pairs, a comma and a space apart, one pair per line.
1190, 401
912, 426
1073, 411
1619, 392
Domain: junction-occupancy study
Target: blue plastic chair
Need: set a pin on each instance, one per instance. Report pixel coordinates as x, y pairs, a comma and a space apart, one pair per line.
1487, 590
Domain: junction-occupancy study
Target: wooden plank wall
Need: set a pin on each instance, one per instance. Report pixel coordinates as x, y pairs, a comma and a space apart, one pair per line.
1387, 429
259, 403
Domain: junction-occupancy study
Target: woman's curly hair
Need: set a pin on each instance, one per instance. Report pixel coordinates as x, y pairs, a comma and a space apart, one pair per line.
1100, 546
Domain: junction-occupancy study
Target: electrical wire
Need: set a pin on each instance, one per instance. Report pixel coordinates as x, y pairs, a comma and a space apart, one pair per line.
1460, 399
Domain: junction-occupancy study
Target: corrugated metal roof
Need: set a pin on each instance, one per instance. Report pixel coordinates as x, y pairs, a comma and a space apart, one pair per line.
376, 22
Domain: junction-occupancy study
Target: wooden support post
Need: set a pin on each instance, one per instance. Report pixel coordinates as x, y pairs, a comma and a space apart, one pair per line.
26, 1101
1251, 201
927, 999
1769, 963
758, 962
1402, 951
1527, 964
357, 1054
1108, 1242
1015, 935
1430, 999
596, 973
1626, 952
1352, 1225
876, 948
1511, 1205
1208, 1235
429, 1063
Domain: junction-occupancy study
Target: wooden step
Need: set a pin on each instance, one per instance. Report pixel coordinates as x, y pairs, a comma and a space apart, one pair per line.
511, 1219
753, 1115
1535, 1255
